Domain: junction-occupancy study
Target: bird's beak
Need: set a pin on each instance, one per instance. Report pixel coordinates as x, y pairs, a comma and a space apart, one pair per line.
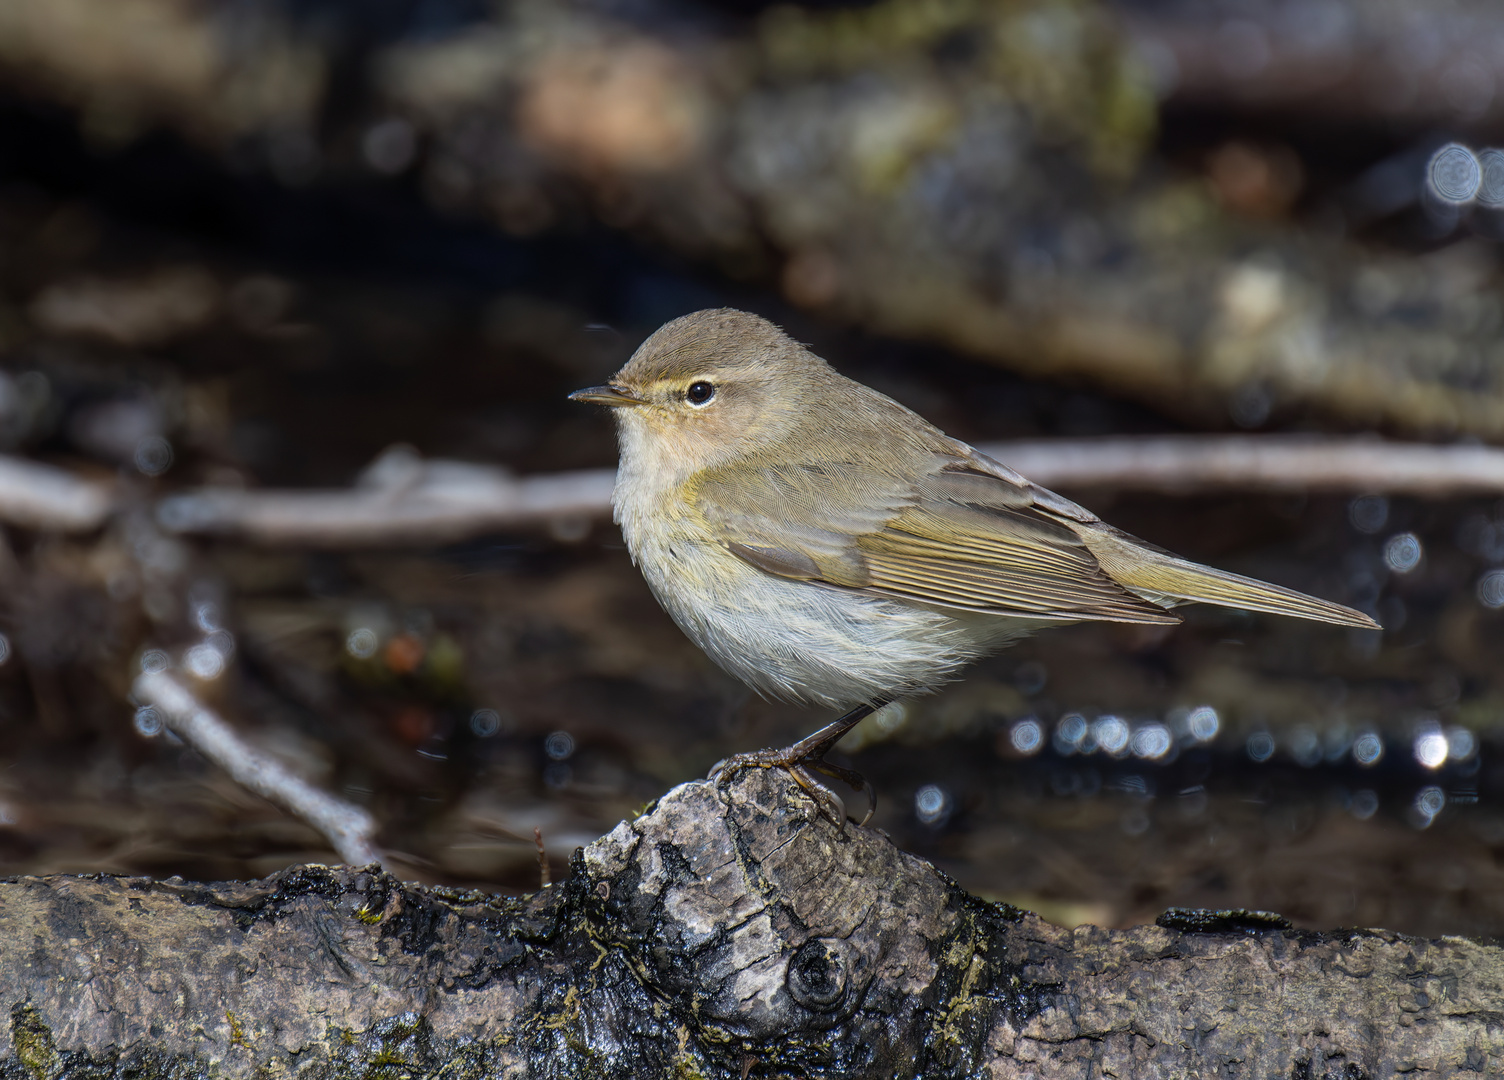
605, 395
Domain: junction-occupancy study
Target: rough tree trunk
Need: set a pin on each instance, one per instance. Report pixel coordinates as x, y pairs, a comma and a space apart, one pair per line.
727, 932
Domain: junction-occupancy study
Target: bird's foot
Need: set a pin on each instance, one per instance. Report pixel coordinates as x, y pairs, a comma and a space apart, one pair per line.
803, 770
807, 757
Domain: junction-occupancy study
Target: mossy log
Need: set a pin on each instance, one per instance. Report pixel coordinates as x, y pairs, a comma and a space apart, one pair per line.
727, 932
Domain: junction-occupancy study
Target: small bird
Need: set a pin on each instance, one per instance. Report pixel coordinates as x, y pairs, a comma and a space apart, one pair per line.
828, 546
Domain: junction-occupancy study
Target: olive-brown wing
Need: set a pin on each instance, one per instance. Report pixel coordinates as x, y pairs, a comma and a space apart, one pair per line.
1142, 568
944, 536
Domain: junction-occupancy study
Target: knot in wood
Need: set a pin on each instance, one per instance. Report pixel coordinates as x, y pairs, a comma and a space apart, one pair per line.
818, 974
766, 926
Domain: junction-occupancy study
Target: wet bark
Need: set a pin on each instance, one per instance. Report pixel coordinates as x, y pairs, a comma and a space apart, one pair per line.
726, 932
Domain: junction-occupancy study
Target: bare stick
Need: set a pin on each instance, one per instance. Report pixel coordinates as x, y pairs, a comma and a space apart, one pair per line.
405, 500
36, 496
445, 501
348, 828
448, 500
1174, 464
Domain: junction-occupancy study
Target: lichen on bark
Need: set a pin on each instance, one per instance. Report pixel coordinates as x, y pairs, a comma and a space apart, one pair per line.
729, 931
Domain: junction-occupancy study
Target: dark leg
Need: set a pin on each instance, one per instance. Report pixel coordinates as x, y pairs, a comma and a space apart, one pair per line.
809, 753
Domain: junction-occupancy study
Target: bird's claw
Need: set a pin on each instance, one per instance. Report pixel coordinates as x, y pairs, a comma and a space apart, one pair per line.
830, 804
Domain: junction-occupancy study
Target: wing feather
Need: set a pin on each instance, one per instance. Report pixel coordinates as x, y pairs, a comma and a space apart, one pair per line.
955, 539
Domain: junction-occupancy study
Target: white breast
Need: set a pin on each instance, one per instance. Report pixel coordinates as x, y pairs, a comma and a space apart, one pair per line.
791, 640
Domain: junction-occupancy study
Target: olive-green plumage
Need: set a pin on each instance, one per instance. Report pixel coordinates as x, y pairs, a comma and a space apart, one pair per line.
826, 544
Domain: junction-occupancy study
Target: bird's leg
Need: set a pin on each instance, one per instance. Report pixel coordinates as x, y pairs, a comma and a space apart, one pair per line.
809, 753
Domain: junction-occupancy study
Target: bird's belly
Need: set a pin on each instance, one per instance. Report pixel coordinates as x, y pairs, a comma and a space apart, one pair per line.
801, 641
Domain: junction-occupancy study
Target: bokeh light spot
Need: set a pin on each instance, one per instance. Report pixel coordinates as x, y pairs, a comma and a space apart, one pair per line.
1431, 749
223, 641
361, 643
1026, 736
1429, 802
404, 654
1491, 589
1454, 174
1368, 748
1402, 552
1462, 744
1151, 741
204, 661
1260, 746
1364, 805
1203, 723
1305, 746
485, 722
153, 455
1491, 188
1112, 734
1069, 733
891, 717
932, 805
559, 745
1368, 513
148, 721
206, 616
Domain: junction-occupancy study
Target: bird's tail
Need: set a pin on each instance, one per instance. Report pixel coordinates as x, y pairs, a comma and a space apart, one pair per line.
1164, 579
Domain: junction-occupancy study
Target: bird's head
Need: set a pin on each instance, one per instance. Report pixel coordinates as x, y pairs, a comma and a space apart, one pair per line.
711, 388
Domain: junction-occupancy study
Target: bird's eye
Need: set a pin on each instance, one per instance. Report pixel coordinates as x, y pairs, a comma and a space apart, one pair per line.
699, 393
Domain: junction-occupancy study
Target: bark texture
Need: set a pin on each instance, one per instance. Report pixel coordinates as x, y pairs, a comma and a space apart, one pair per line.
726, 932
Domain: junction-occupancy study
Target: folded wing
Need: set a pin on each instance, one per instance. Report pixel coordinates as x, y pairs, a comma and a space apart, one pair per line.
968, 534
955, 538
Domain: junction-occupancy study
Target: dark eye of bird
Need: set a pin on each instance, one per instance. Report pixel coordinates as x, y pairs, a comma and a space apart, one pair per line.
700, 392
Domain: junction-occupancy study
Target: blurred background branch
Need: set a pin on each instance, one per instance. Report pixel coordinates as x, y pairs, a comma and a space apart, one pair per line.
403, 499
348, 828
37, 496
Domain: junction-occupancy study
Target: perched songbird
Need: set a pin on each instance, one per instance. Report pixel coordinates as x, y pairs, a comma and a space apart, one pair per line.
826, 545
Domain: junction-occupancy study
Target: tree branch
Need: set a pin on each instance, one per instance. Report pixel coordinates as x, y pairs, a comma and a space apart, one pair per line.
1176, 464
36, 496
466, 500
436, 501
348, 828
445, 501
727, 932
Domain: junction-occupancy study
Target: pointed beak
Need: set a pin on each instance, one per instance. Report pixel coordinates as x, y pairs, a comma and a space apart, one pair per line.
604, 395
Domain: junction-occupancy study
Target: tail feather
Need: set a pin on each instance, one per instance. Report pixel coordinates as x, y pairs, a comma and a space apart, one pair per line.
1165, 579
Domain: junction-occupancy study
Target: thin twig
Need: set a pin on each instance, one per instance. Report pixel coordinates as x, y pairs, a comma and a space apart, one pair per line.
451, 501
1175, 464
405, 500
36, 496
348, 828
